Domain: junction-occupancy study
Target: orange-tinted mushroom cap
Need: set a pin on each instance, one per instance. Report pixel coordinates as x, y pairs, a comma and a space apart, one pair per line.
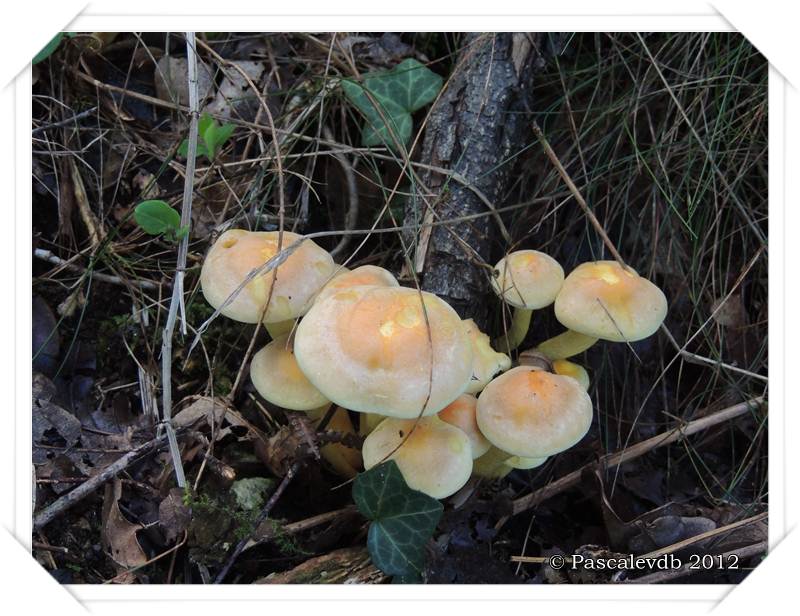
528, 279
366, 275
533, 413
603, 300
371, 350
461, 414
436, 459
237, 252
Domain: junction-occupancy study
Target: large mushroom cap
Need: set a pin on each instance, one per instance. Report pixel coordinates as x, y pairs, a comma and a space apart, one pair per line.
528, 279
366, 275
461, 414
532, 413
277, 377
486, 362
371, 349
604, 300
436, 459
237, 252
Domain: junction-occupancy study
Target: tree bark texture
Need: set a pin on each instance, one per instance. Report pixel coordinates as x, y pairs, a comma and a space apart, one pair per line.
480, 120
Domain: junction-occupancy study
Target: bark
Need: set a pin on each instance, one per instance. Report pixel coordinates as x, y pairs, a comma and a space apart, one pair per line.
344, 566
479, 121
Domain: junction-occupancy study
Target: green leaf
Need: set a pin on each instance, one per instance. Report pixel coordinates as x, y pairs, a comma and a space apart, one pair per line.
183, 149
402, 520
397, 93
156, 217
212, 137
410, 84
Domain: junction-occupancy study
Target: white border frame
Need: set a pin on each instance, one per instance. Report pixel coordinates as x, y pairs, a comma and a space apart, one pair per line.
20, 520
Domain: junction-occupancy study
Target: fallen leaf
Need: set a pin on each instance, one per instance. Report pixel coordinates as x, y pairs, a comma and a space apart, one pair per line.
118, 534
173, 515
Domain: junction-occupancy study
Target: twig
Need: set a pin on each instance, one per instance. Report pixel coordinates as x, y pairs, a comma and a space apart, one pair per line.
46, 255
576, 193
73, 497
258, 521
693, 358
75, 118
177, 290
706, 535
670, 575
626, 455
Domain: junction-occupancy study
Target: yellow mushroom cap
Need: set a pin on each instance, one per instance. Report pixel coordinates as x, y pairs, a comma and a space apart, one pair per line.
237, 252
366, 275
369, 349
571, 369
277, 377
603, 300
533, 413
528, 279
436, 459
461, 413
486, 362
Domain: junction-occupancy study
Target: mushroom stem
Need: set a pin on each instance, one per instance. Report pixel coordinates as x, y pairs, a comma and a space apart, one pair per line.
520, 323
279, 328
566, 345
492, 464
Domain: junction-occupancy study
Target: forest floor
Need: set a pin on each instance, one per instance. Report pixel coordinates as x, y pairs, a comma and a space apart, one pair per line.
665, 136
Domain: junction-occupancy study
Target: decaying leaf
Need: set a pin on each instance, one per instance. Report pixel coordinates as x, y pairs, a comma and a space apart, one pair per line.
118, 534
171, 77
173, 515
235, 98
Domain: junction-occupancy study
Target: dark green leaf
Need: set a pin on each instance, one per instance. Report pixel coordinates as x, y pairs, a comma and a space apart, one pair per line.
156, 217
396, 93
410, 84
402, 520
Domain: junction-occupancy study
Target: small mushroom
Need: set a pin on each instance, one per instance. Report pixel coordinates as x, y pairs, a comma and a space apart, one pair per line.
433, 456
278, 378
527, 280
375, 350
461, 414
486, 362
602, 299
237, 252
366, 275
533, 413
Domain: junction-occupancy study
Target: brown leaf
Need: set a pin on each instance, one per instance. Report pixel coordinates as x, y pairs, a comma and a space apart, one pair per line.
118, 534
173, 515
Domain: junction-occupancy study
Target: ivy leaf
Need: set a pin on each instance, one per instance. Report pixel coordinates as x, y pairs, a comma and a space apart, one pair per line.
397, 93
156, 217
402, 520
410, 84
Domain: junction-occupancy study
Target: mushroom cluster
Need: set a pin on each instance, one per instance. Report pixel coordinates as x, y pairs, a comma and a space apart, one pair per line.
431, 391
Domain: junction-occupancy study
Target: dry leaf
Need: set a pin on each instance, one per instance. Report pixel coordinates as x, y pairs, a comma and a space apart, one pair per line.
173, 515
119, 535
